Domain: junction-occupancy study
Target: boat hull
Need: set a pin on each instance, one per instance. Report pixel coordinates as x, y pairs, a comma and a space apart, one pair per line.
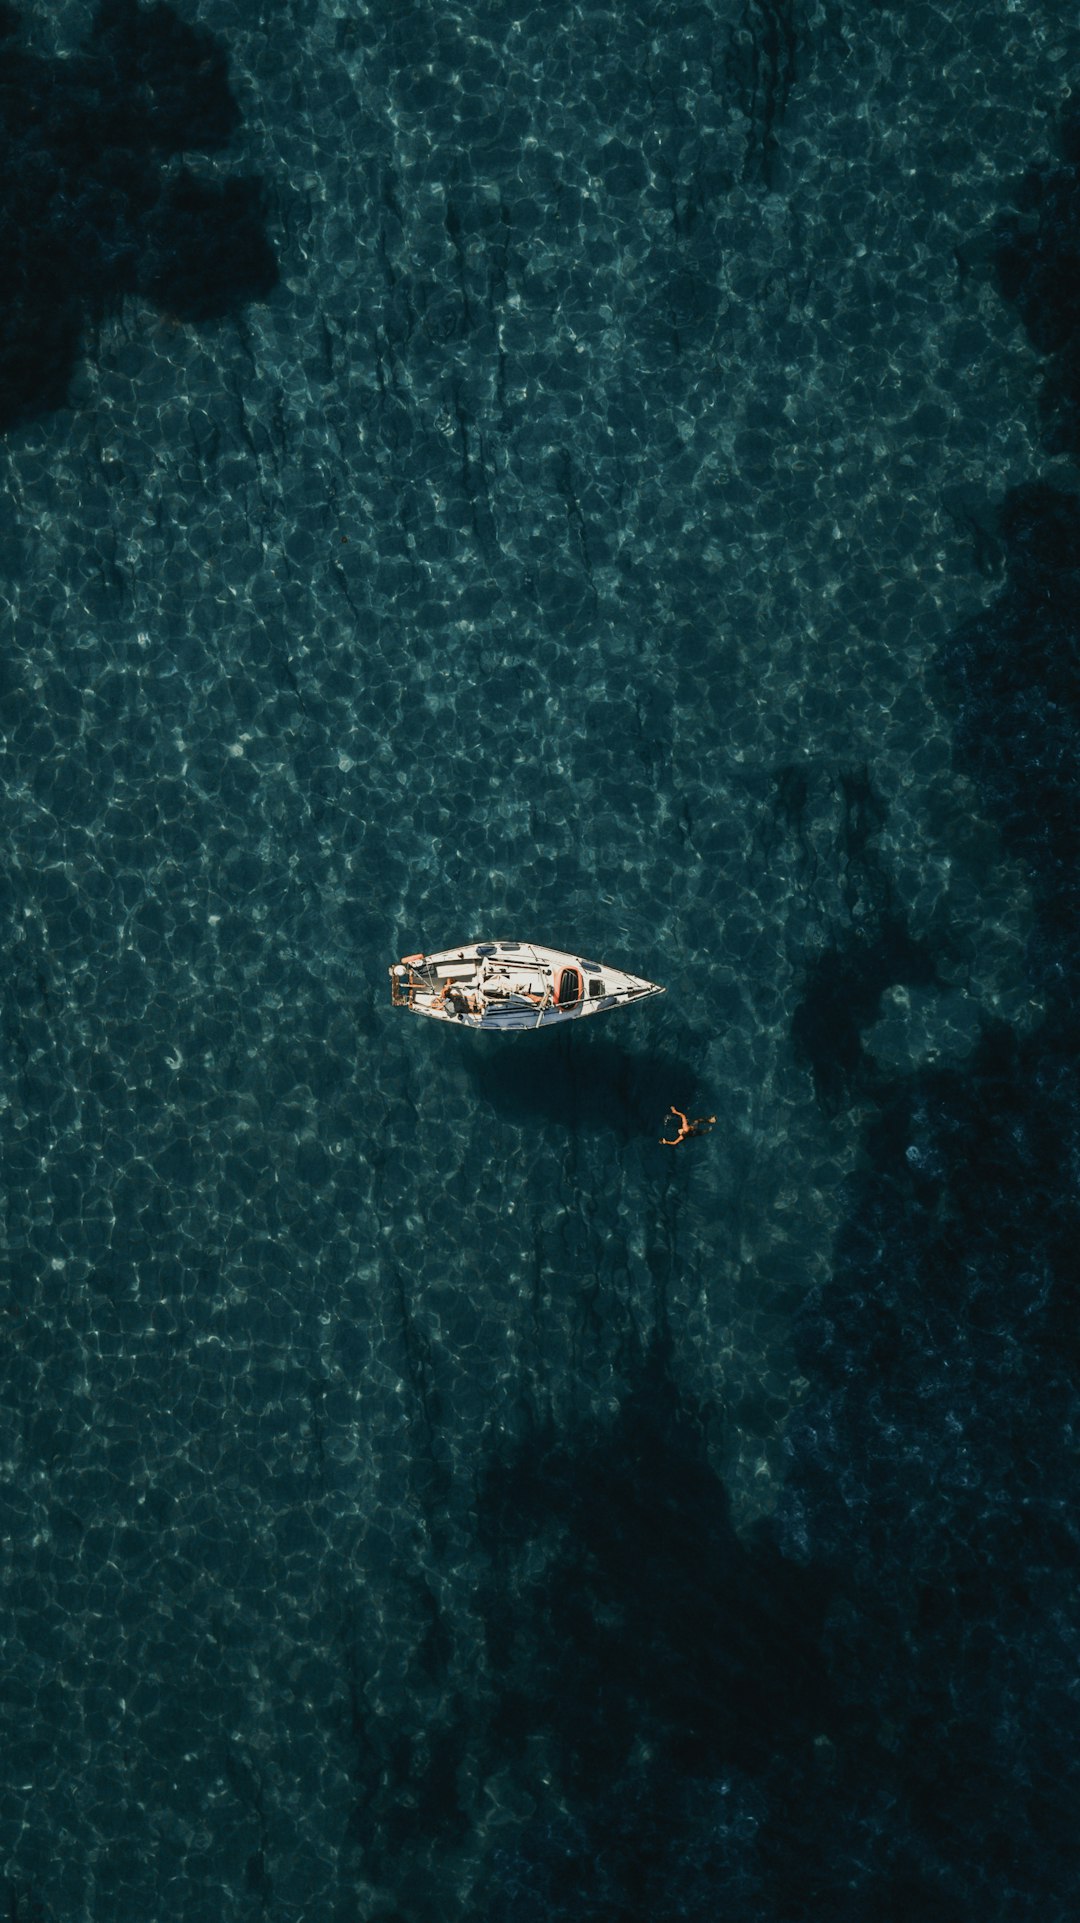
504, 986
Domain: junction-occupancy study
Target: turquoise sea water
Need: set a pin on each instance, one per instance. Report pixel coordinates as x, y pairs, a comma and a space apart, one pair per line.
563, 550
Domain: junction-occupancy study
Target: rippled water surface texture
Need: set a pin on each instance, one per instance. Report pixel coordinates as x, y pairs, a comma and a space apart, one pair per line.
601, 475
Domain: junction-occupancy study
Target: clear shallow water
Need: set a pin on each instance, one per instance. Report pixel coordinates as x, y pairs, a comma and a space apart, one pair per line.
565, 548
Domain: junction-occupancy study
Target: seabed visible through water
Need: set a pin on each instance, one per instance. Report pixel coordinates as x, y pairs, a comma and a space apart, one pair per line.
564, 545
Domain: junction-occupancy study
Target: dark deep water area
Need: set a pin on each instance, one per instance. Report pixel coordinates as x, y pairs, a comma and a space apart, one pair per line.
604, 475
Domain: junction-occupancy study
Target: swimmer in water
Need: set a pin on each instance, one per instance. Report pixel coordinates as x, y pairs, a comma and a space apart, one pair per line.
687, 1128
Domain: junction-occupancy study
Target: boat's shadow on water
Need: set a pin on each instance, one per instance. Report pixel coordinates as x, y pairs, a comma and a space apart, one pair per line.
579, 1080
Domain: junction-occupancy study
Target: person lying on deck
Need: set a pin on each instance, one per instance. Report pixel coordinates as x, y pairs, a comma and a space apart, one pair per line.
462, 995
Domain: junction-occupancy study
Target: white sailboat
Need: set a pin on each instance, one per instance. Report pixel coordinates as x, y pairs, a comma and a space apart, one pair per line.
512, 984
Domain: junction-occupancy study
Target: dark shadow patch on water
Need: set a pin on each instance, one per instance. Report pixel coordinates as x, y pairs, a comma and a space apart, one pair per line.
842, 999
1014, 674
647, 1661
933, 1467
579, 1081
843, 986
712, 1728
92, 207
1037, 261
928, 1463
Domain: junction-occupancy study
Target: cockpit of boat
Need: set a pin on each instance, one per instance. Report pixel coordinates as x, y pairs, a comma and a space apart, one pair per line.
569, 989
